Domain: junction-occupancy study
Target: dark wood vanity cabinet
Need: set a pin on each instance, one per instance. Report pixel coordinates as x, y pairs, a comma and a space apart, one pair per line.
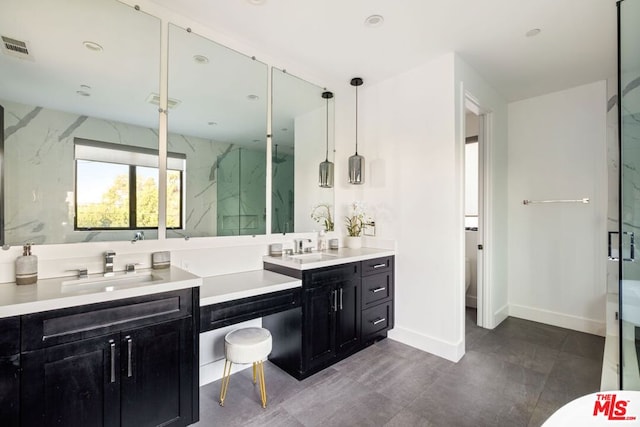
331, 315
344, 308
126, 363
10, 372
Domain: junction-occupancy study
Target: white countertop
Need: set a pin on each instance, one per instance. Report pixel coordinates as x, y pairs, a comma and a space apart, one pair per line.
327, 258
228, 287
50, 294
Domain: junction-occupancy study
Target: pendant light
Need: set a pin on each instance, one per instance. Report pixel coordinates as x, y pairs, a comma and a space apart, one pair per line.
325, 178
356, 162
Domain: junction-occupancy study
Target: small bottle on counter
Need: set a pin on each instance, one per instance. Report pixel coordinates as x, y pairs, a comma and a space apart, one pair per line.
26, 267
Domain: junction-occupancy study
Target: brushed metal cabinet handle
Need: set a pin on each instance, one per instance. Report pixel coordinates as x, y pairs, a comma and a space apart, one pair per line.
379, 320
376, 290
335, 300
112, 347
129, 348
340, 298
380, 265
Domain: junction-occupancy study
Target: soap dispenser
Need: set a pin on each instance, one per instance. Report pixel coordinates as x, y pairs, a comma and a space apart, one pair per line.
26, 267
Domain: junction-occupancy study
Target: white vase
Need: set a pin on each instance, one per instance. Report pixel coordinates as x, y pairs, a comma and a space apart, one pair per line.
353, 242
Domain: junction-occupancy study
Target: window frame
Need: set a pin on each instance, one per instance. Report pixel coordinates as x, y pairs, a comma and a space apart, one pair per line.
110, 153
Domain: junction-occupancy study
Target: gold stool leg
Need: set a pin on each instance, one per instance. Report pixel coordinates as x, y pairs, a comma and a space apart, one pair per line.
226, 376
254, 372
263, 388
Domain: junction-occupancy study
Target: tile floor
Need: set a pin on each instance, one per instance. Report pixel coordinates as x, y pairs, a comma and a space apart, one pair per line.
515, 375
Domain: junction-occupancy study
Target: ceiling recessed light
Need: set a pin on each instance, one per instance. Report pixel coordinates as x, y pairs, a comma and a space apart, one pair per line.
374, 21
253, 97
533, 32
257, 2
92, 46
200, 59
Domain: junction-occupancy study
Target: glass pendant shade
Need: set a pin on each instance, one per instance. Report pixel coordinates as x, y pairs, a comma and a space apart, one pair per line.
356, 162
325, 179
356, 169
325, 175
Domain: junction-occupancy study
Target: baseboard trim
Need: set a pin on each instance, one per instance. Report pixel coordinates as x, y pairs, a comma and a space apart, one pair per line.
444, 349
471, 301
561, 320
500, 315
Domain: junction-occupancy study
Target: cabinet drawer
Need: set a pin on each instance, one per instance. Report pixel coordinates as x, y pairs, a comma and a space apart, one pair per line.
376, 288
377, 265
228, 313
377, 319
329, 275
55, 327
9, 336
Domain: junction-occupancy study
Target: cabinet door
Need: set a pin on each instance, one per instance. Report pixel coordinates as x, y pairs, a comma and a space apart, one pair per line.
9, 371
75, 384
348, 315
156, 371
9, 390
319, 330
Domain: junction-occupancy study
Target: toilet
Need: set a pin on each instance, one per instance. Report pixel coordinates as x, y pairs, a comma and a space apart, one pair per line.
467, 274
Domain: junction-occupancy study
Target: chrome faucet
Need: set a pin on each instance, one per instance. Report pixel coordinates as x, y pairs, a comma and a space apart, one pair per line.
138, 236
300, 246
108, 263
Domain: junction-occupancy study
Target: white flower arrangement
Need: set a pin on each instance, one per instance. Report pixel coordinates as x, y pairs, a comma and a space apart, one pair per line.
356, 221
322, 214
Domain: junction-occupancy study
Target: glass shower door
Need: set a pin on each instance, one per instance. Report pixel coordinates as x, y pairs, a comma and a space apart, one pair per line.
629, 116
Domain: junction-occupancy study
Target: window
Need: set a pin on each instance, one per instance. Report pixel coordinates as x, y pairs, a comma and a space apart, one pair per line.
117, 187
471, 183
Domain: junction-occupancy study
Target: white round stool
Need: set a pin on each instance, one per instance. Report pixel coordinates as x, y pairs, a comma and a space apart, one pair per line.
247, 345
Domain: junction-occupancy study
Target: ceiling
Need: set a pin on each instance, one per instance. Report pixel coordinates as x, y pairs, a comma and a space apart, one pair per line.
576, 45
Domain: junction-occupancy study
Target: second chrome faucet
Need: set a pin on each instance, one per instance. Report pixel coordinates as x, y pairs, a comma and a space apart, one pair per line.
108, 263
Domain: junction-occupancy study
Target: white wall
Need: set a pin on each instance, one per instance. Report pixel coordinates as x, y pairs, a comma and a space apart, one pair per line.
557, 252
408, 139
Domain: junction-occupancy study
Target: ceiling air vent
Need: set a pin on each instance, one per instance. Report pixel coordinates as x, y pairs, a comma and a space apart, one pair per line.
154, 99
15, 47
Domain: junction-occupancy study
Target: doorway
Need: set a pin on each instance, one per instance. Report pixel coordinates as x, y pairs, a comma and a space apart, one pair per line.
474, 171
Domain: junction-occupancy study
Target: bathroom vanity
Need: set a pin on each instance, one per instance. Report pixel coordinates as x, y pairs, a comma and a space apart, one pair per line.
116, 355
347, 304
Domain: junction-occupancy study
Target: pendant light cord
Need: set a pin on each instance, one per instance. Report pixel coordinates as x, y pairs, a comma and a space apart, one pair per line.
327, 152
356, 120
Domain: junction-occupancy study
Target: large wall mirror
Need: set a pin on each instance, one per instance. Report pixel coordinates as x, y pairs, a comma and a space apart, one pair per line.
79, 91
302, 127
218, 125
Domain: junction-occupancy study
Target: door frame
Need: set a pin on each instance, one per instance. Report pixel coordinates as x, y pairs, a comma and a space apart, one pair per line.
485, 134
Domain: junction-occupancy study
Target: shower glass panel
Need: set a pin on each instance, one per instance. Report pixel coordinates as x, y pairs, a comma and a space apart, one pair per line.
629, 113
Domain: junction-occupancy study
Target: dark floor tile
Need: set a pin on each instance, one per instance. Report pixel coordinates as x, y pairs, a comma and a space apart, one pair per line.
572, 377
543, 411
514, 350
406, 418
535, 333
451, 402
585, 345
489, 374
340, 401
277, 418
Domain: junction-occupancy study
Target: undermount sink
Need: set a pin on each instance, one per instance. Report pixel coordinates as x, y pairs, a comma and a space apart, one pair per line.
118, 280
314, 256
